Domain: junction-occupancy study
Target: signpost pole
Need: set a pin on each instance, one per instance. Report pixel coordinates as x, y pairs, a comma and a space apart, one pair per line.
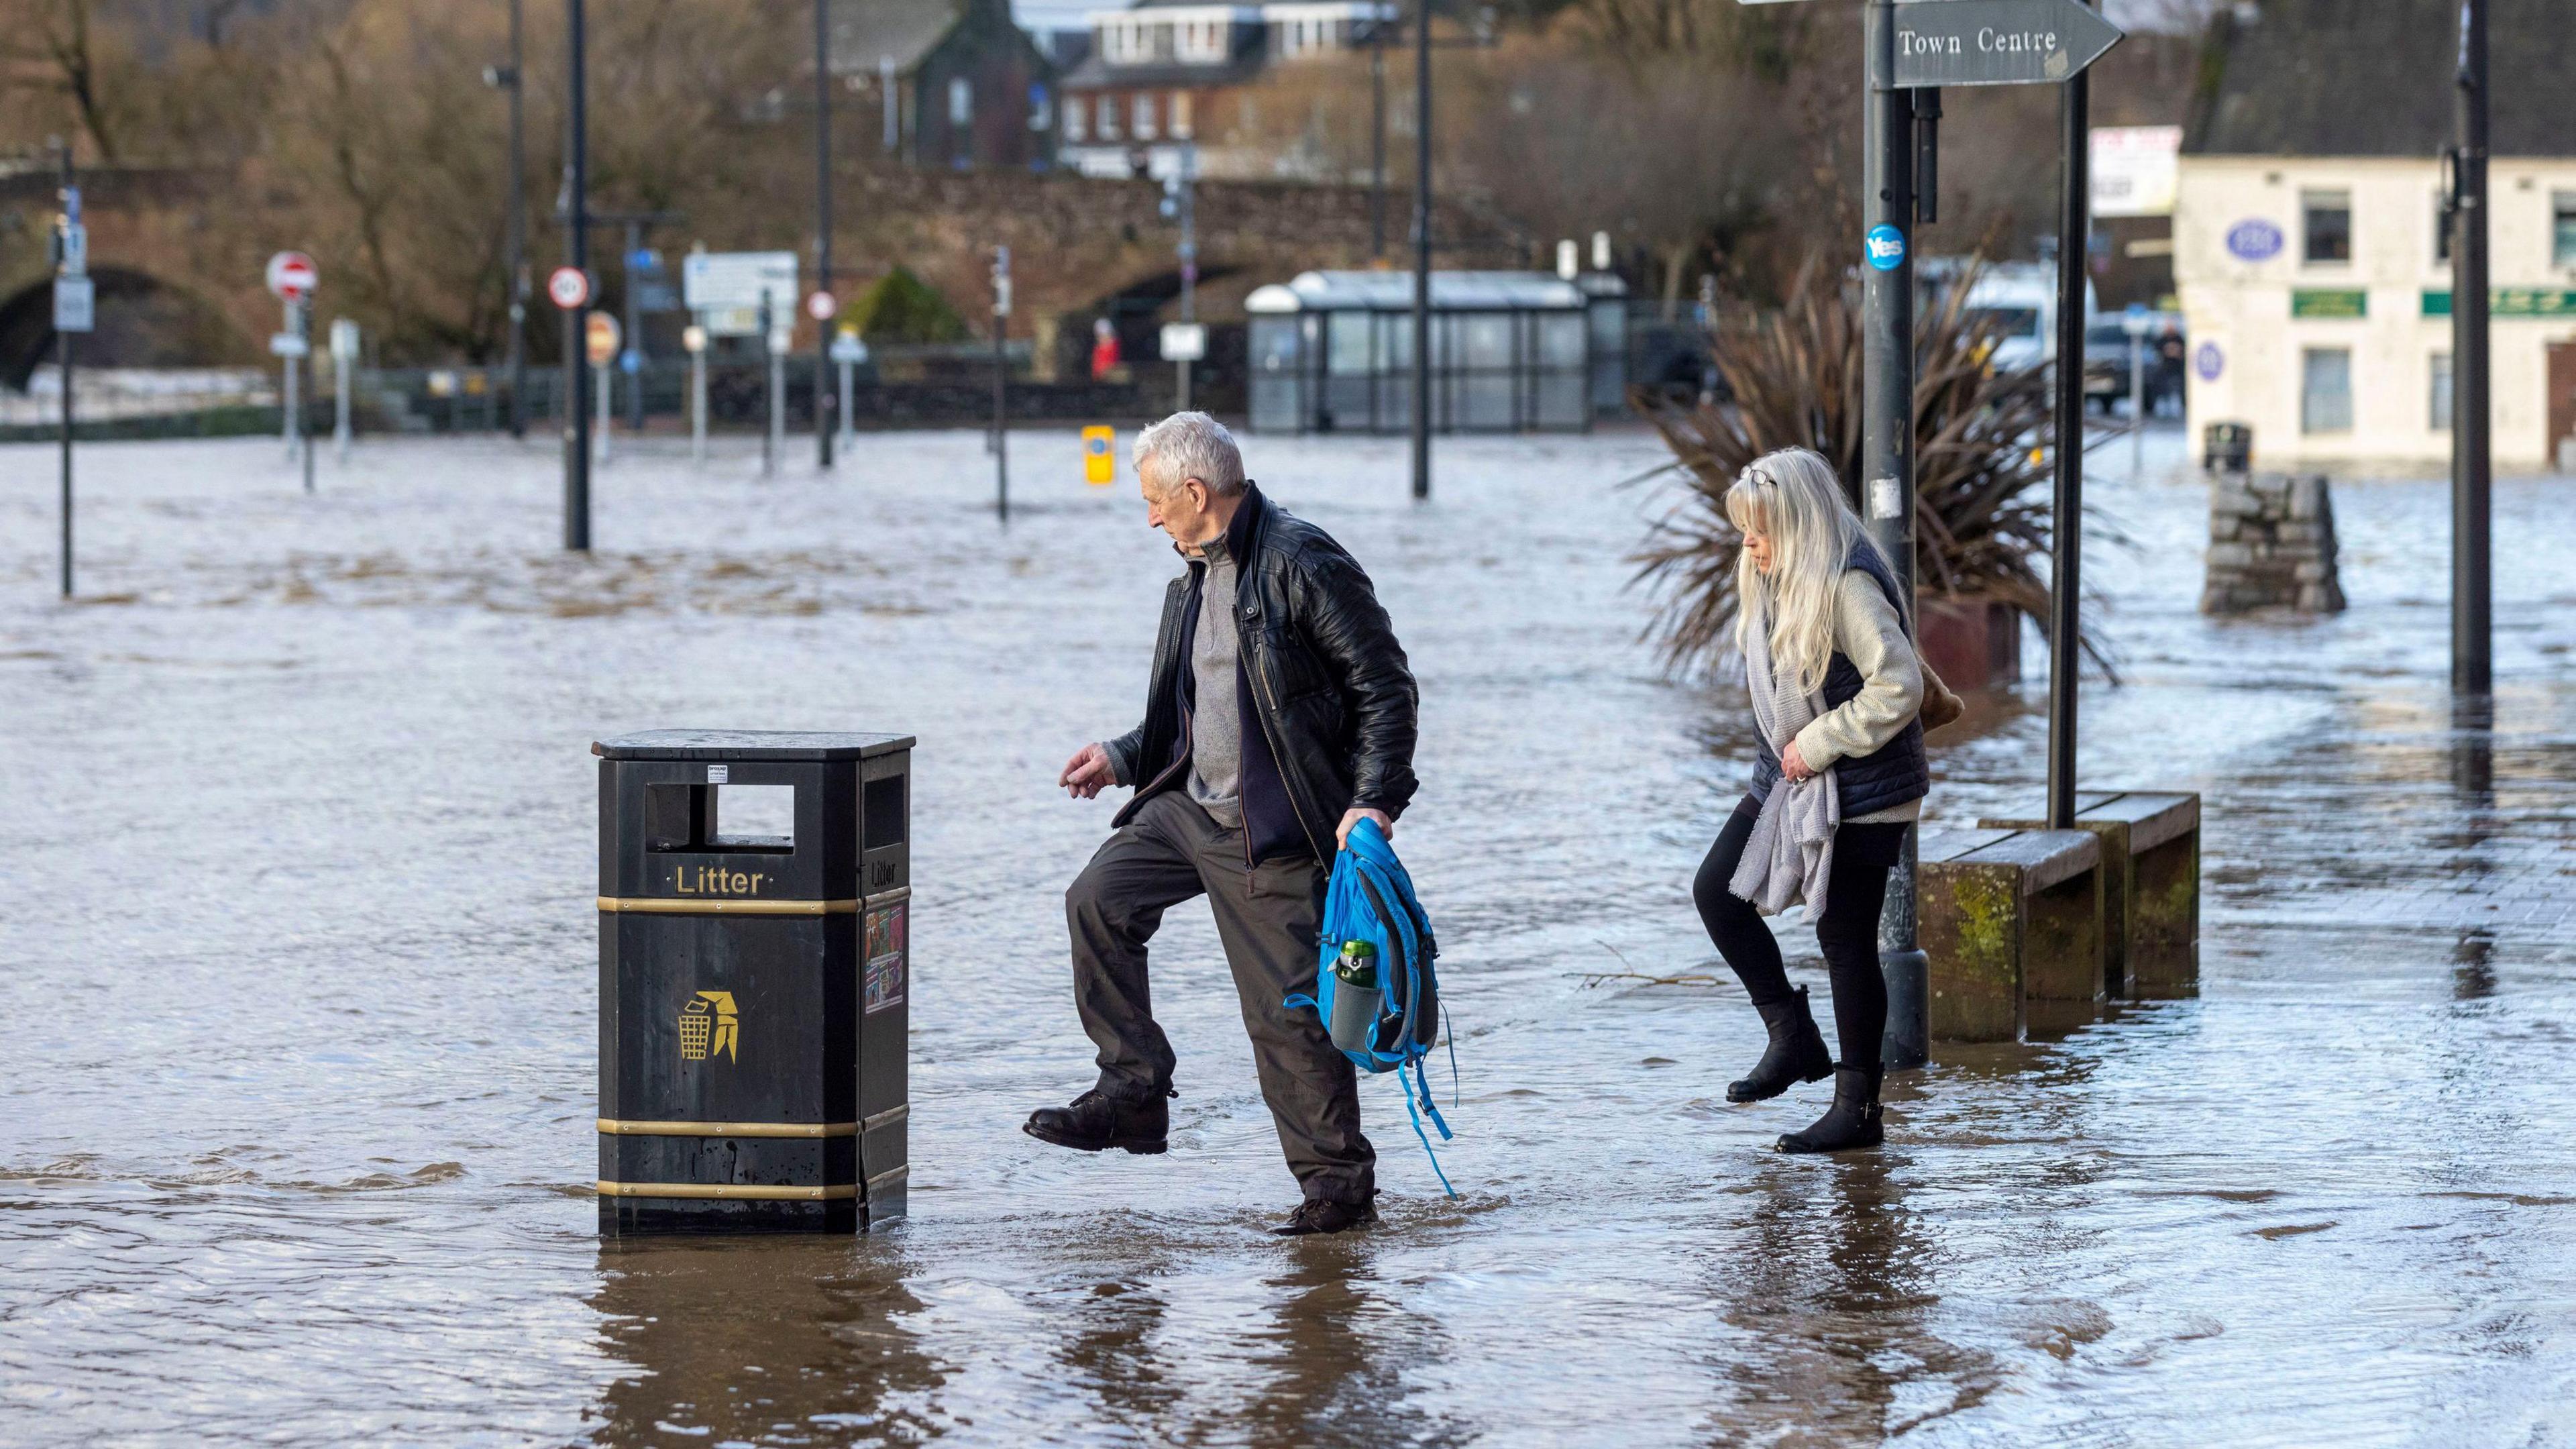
1887, 453
2472, 460
1189, 256
344, 354
1001, 383
2137, 402
303, 422
769, 352
600, 374
823, 428
1422, 252
698, 394
630, 360
287, 386
2066, 541
63, 348
577, 256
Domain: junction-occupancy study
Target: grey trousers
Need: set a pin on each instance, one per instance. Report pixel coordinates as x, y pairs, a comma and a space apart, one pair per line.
1267, 916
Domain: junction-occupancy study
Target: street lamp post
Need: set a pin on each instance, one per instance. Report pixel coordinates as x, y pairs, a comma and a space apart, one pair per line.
2472, 459
823, 398
1422, 252
513, 78
1377, 137
576, 357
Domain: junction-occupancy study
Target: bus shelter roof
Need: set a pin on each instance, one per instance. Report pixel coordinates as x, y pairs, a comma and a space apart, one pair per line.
1393, 292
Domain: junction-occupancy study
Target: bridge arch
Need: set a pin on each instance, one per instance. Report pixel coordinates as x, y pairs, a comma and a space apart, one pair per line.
143, 321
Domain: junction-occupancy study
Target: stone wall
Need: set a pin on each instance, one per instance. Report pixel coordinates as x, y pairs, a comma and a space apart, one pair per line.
2271, 545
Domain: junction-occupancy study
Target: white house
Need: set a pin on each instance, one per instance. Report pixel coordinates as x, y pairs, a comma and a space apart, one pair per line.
2310, 250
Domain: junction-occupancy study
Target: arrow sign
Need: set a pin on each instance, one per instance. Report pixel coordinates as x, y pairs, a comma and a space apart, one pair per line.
1997, 42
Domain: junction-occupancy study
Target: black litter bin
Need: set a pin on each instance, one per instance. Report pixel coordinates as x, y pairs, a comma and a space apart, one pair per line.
2226, 448
754, 964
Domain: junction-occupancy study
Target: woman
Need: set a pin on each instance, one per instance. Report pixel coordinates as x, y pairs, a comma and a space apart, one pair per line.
1836, 693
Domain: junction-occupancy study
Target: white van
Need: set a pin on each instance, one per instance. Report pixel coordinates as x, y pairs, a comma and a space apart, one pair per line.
2020, 299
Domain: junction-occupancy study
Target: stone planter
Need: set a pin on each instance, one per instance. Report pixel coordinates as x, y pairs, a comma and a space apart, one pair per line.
1971, 641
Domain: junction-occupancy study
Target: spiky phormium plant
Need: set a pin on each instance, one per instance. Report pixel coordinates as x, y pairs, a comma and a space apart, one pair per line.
1981, 477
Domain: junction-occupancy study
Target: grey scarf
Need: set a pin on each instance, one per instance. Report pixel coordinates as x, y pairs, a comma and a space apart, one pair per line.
1790, 856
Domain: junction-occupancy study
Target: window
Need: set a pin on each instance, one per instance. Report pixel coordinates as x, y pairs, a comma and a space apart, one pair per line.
1144, 117
961, 101
1181, 115
2328, 226
1076, 118
2441, 232
2440, 411
2325, 393
2562, 228
1108, 118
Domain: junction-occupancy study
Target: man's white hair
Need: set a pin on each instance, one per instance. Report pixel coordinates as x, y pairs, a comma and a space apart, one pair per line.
1192, 445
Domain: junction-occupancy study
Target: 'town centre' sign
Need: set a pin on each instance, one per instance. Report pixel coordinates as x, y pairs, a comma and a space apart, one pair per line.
1997, 42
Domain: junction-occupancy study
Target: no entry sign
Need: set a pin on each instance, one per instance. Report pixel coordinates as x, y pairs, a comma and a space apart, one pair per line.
292, 276
567, 287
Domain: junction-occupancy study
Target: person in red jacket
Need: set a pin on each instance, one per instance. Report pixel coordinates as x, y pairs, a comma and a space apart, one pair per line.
1104, 349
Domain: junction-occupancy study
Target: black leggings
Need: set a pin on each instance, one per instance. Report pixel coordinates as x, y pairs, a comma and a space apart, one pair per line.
1847, 928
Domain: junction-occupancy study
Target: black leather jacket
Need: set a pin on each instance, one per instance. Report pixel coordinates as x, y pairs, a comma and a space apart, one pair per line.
1319, 669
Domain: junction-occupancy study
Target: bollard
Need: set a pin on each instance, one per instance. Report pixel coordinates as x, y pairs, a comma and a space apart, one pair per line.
753, 987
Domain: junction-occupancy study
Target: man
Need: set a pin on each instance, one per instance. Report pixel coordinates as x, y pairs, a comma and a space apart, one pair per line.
1280, 714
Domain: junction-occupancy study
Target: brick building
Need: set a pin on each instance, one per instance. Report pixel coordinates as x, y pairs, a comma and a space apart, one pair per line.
1168, 73
958, 84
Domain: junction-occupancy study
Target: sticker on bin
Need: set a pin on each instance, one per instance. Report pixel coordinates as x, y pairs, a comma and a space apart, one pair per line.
719, 774
884, 984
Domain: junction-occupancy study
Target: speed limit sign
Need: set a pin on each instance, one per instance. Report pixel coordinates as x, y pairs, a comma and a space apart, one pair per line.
568, 287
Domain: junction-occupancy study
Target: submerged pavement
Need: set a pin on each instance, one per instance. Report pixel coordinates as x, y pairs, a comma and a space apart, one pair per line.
296, 1141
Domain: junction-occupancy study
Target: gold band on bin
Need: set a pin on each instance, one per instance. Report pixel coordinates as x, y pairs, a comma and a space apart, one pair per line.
736, 1191
712, 906
618, 1127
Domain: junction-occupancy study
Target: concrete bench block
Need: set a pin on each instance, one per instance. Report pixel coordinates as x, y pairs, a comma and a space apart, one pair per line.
2150, 887
2012, 922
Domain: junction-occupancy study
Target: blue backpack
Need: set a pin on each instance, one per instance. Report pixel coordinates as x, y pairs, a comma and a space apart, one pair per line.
1371, 899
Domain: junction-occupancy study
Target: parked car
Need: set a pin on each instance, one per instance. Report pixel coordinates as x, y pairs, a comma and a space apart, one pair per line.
2107, 358
2019, 300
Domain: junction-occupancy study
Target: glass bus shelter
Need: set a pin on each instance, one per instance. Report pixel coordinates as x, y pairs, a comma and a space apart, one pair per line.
1510, 352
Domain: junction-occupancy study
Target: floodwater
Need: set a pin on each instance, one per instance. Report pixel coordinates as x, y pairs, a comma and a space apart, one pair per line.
299, 963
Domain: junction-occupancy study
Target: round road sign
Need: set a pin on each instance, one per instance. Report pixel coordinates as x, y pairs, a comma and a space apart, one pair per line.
820, 306
567, 287
292, 276
693, 338
600, 334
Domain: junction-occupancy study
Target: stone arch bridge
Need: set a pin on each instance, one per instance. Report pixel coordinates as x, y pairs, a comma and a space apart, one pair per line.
179, 253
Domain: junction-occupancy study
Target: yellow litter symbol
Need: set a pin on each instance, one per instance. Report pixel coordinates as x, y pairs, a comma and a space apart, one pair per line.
1099, 456
709, 1009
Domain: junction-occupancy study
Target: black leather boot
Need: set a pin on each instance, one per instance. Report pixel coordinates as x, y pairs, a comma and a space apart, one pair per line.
1324, 1215
1796, 1053
1851, 1122
1098, 1121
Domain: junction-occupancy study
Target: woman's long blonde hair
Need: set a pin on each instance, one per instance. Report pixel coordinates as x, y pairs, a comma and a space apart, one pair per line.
1792, 497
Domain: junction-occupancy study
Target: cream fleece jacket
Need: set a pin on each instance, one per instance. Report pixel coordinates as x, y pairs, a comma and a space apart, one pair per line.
1868, 633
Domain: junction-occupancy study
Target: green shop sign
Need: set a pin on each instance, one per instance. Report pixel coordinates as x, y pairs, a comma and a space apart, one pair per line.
2509, 302
2329, 302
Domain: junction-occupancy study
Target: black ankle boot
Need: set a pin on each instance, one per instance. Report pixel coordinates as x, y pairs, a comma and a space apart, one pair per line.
1796, 1053
1097, 1121
1852, 1121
